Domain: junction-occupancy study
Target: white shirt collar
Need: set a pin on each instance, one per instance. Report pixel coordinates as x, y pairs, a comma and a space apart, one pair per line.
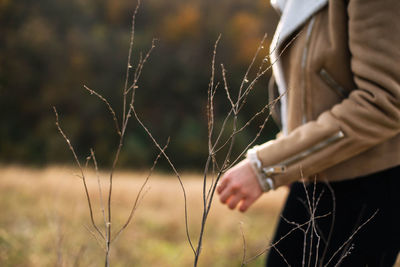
294, 14
279, 5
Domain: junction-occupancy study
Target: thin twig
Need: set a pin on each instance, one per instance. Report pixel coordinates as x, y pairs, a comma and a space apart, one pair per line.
95, 237
245, 78
96, 168
227, 163
244, 244
228, 95
136, 79
347, 252
82, 173
174, 170
211, 93
126, 114
234, 110
281, 255
139, 195
128, 64
269, 106
351, 236
243, 96
332, 223
312, 225
93, 92
284, 236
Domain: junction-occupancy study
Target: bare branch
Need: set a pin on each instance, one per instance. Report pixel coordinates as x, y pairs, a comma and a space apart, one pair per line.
332, 223
228, 95
268, 106
284, 236
174, 170
139, 195
244, 244
95, 237
134, 84
140, 66
82, 173
100, 191
210, 97
351, 236
245, 79
93, 92
128, 65
281, 255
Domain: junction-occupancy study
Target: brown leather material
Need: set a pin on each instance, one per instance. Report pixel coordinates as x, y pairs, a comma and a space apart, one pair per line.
343, 75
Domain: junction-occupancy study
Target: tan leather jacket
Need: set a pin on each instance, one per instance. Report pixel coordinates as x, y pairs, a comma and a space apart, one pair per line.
342, 72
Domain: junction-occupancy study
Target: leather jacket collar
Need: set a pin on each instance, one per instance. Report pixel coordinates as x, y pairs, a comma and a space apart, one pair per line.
294, 14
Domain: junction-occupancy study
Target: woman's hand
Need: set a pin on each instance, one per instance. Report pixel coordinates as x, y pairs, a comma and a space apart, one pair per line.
239, 185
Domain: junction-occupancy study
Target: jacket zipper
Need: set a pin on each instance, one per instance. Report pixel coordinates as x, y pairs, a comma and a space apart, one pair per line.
332, 83
303, 69
282, 166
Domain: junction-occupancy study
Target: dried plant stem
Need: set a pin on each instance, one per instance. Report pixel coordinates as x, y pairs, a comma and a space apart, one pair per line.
214, 146
312, 229
127, 109
281, 255
244, 245
82, 173
332, 224
114, 116
245, 79
140, 194
93, 157
298, 226
210, 96
125, 119
174, 170
95, 236
128, 65
351, 238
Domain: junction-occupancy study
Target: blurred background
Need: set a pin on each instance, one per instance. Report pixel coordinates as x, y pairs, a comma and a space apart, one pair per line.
49, 49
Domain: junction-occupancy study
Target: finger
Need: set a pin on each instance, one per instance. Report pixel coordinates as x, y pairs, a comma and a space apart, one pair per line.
226, 193
234, 200
222, 184
246, 203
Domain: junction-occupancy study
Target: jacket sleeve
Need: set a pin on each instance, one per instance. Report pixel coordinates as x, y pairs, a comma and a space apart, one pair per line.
371, 113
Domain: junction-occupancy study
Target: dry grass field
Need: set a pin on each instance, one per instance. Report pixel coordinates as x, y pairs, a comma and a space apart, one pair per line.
44, 214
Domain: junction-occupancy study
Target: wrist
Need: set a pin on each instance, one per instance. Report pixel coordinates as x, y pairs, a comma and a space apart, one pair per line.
266, 182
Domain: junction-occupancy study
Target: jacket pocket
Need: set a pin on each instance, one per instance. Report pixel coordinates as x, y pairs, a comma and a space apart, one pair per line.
332, 83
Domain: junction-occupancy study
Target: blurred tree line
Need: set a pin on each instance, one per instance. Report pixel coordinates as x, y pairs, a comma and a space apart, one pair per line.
49, 49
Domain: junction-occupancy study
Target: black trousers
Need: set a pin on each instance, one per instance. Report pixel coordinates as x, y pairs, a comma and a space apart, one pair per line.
349, 223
